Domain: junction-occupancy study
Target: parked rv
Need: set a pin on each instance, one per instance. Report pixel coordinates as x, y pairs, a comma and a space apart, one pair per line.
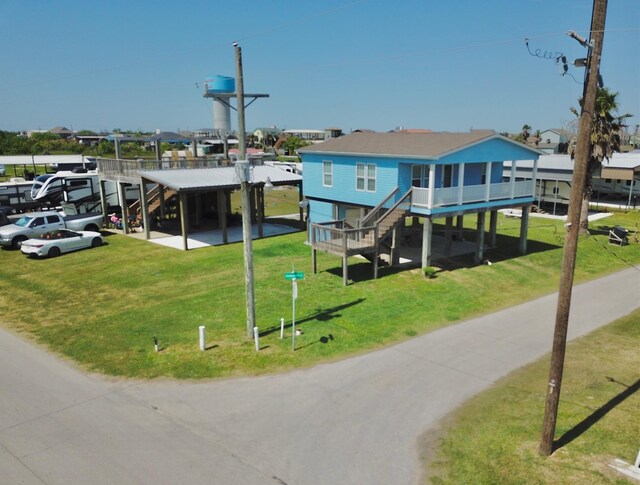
16, 193
80, 188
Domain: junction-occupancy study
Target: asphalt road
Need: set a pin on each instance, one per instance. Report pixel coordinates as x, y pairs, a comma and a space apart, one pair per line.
351, 422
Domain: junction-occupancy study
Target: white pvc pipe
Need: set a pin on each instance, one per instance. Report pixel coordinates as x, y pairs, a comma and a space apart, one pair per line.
256, 337
203, 339
281, 328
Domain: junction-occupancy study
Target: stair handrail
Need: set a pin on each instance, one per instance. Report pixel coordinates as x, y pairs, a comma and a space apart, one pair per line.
395, 206
373, 213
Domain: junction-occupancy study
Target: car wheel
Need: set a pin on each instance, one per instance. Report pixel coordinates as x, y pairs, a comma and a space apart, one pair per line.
54, 252
92, 228
17, 242
95, 242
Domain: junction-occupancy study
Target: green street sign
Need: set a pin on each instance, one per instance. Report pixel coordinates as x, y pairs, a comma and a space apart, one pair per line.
294, 275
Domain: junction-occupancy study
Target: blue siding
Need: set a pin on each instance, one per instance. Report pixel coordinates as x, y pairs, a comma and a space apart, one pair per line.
392, 173
488, 151
320, 211
344, 179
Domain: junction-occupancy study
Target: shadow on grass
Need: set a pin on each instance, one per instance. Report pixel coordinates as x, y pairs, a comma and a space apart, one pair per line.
506, 248
597, 415
320, 315
325, 339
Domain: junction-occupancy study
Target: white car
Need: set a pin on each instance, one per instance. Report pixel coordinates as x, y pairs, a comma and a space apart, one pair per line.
54, 243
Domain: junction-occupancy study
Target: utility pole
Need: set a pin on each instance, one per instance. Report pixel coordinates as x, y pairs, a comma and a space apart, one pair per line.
583, 150
245, 185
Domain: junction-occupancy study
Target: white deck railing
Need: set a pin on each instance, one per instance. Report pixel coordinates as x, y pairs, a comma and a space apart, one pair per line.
470, 194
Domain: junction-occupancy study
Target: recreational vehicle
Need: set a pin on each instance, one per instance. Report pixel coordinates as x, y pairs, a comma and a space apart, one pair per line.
79, 189
16, 193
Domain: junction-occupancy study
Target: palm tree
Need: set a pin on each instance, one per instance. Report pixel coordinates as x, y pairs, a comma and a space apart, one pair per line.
524, 134
605, 139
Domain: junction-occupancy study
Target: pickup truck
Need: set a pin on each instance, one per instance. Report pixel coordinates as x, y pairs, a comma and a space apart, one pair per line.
34, 224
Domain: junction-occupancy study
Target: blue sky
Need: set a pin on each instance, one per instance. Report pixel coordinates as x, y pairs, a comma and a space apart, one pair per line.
446, 66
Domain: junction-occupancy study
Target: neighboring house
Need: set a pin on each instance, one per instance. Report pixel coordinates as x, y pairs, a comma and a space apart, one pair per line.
555, 140
553, 180
361, 187
267, 136
619, 177
62, 132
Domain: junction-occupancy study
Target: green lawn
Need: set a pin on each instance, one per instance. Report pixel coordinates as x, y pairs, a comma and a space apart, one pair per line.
494, 437
102, 307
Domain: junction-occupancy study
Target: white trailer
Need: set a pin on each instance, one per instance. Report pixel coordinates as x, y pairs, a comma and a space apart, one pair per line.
82, 189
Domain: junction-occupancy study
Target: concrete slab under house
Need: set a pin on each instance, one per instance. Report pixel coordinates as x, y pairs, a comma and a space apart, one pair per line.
362, 187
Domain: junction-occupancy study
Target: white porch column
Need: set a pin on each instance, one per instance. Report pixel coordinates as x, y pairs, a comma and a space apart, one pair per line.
461, 184
427, 230
487, 189
432, 184
534, 175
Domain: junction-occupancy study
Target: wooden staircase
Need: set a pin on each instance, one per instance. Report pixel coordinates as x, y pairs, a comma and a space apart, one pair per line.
153, 199
341, 239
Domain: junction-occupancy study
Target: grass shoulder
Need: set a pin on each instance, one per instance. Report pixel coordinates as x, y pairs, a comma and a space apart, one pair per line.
494, 437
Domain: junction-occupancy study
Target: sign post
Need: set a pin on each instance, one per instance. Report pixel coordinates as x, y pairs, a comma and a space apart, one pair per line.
294, 276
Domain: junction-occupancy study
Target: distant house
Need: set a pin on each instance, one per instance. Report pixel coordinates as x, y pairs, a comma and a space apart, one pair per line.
361, 187
267, 136
554, 140
62, 132
619, 177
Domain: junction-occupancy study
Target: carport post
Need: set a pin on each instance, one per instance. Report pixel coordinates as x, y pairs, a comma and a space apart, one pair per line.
183, 220
123, 208
103, 202
144, 203
222, 215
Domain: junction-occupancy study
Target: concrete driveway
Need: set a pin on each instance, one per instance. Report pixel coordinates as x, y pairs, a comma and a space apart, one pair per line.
351, 422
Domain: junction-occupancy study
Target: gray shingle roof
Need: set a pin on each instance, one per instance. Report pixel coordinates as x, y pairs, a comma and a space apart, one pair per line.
424, 145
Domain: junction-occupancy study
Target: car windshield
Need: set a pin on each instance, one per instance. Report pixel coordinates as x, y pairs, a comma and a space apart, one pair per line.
24, 221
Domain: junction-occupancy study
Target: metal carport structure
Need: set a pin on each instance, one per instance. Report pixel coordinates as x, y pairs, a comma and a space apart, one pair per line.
197, 182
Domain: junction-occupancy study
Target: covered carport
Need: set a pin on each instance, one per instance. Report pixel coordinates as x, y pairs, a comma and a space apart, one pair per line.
211, 187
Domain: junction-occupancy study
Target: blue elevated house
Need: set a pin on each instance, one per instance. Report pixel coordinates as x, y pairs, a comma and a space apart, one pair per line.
361, 187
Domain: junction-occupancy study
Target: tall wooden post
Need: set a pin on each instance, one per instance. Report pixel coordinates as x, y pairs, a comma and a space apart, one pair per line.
573, 226
246, 200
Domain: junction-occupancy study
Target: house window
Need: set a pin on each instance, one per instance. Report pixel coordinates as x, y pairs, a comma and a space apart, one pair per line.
327, 173
420, 175
366, 177
483, 174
